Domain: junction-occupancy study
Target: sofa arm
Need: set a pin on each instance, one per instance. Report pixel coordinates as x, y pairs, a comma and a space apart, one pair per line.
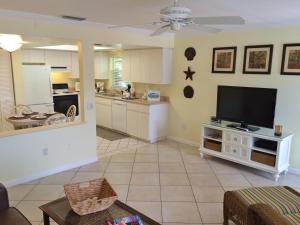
262, 214
4, 204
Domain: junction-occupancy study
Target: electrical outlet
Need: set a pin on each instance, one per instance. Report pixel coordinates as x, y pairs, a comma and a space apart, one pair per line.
45, 151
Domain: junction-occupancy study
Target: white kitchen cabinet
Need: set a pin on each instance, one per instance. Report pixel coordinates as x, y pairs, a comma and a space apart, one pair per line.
155, 66
119, 112
59, 60
138, 124
148, 122
103, 112
75, 65
144, 126
33, 56
152, 66
101, 62
132, 123
126, 65
137, 62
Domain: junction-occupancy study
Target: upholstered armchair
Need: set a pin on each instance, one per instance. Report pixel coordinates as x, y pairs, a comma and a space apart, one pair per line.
10, 215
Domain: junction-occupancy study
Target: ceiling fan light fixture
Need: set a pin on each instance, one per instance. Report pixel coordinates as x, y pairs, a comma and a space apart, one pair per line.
10, 42
176, 12
176, 17
175, 26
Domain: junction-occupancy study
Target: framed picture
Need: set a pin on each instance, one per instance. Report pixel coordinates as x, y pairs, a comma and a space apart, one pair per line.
290, 64
258, 59
224, 60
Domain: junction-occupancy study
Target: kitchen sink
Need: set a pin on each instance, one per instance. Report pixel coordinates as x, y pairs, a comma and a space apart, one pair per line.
110, 95
117, 96
133, 98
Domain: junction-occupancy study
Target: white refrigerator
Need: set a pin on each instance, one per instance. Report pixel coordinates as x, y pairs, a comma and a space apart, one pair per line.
37, 88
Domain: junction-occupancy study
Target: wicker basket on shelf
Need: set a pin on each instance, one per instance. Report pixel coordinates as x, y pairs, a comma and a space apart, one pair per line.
90, 197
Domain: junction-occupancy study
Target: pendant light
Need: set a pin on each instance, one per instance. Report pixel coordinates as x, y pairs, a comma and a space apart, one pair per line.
10, 42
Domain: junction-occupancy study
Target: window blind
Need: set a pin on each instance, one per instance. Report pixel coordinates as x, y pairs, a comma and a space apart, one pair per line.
117, 81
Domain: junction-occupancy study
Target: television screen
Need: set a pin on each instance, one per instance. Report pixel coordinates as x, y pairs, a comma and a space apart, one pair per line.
253, 106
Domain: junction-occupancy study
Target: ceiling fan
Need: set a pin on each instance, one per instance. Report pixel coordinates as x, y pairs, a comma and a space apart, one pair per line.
176, 17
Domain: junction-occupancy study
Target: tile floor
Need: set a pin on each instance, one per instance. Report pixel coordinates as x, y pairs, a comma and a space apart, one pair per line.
108, 134
167, 181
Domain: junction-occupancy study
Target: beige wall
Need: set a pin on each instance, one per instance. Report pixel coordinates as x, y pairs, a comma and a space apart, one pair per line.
21, 154
186, 115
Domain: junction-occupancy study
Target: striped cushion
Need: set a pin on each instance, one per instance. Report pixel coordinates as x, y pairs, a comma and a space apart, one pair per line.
278, 198
293, 218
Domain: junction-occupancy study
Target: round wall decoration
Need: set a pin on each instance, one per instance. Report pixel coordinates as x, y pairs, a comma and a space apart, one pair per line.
190, 53
188, 92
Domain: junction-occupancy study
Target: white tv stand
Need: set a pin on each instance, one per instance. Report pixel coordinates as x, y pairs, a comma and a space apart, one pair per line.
241, 147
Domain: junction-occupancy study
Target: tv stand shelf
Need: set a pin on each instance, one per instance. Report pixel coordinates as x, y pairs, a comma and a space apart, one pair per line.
260, 149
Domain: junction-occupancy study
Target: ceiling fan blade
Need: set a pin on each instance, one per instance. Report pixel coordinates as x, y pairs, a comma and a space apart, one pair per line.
134, 25
219, 20
203, 28
161, 30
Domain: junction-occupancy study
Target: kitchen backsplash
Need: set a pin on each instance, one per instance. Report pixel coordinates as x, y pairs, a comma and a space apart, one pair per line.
141, 88
63, 77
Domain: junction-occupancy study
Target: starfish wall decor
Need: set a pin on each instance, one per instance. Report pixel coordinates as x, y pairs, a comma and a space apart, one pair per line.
189, 73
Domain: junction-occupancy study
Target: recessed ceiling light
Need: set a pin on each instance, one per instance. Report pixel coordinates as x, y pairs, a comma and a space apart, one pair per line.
60, 47
72, 47
76, 18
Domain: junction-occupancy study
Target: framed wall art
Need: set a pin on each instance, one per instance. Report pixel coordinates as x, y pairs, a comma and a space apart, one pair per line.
224, 60
258, 59
290, 64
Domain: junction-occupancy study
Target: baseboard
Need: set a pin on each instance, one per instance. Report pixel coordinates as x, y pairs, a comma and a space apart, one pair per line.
49, 172
184, 141
294, 171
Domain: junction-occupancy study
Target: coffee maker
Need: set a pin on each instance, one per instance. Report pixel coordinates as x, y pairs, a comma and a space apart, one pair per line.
99, 87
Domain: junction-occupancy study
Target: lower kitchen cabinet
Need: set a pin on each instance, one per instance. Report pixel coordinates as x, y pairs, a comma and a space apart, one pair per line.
138, 124
132, 123
147, 122
119, 115
103, 112
143, 126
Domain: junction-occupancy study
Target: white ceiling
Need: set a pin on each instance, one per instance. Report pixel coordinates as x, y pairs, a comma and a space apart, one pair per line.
257, 13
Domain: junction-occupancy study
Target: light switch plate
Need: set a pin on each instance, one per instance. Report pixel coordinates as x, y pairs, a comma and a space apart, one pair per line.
90, 106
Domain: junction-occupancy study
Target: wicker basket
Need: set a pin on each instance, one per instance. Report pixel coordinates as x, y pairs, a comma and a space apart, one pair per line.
90, 197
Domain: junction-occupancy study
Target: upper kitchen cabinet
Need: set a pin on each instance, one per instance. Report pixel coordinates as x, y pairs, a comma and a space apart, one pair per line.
59, 60
101, 60
33, 56
126, 65
153, 66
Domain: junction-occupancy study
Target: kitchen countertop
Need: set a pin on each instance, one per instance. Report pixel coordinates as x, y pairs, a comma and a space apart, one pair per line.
69, 93
140, 101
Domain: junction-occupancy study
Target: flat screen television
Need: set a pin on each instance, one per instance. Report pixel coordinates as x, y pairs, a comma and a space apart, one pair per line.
247, 106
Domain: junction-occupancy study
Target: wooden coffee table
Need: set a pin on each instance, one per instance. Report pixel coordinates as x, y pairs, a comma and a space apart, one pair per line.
61, 212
